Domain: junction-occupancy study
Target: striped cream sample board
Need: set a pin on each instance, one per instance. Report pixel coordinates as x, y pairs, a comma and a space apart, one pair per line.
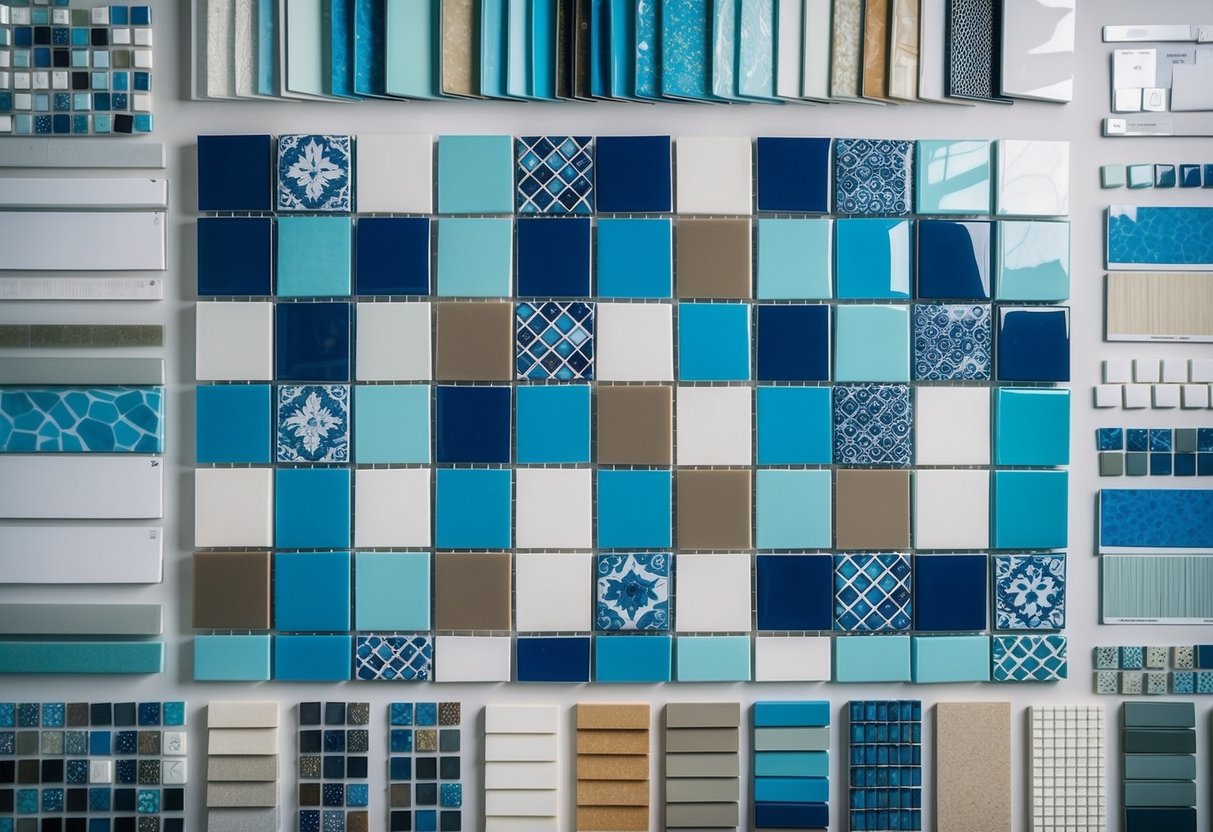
1159, 747
791, 765
612, 767
521, 768
973, 766
242, 767
1067, 783
702, 765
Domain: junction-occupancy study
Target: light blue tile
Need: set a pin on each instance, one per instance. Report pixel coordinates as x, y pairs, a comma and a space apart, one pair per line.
792, 764
314, 256
714, 342
473, 509
475, 257
312, 591
475, 174
1032, 426
312, 658
795, 258
312, 508
872, 343
794, 509
232, 423
634, 258
1031, 510
1032, 260
232, 658
638, 659
872, 659
950, 659
713, 658
553, 424
795, 426
953, 177
391, 423
392, 591
873, 258
634, 509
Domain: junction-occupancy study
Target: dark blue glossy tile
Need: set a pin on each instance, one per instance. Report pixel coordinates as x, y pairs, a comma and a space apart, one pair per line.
632, 174
1164, 176
554, 257
553, 659
794, 174
1033, 344
953, 260
392, 256
235, 173
1137, 439
795, 592
789, 815
1189, 176
235, 256
1110, 439
1160, 464
793, 343
313, 341
473, 424
950, 593
1185, 465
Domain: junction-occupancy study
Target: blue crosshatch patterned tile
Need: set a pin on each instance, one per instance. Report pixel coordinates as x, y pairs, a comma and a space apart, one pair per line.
472, 424
82, 419
1029, 592
793, 342
553, 257
314, 173
314, 423
555, 174
401, 658
952, 342
872, 176
633, 174
872, 592
873, 424
633, 592
554, 340
1029, 658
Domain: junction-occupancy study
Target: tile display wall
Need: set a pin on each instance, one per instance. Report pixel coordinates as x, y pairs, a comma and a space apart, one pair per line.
425, 780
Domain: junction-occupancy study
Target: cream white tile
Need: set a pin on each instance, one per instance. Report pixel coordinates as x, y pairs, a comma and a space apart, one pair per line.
952, 426
236, 714
394, 173
173, 772
472, 658
1108, 395
242, 741
553, 509
391, 507
234, 507
552, 592
951, 509
173, 743
493, 823
393, 342
1202, 369
712, 594
1174, 370
520, 747
1166, 395
514, 775
1195, 395
521, 719
1117, 371
1147, 370
634, 342
1137, 396
713, 175
792, 659
234, 341
1033, 178
521, 802
713, 426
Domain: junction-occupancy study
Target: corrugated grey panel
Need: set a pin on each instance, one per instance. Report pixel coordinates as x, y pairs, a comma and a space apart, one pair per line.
683, 815
791, 739
81, 153
81, 370
81, 619
701, 739
703, 715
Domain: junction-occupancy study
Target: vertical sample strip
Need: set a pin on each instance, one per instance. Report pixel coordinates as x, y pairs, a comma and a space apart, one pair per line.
1158, 742
702, 765
973, 766
1037, 51
612, 767
242, 767
1147, 306
1140, 520
521, 768
1156, 589
334, 741
1067, 784
425, 788
886, 765
791, 765
973, 46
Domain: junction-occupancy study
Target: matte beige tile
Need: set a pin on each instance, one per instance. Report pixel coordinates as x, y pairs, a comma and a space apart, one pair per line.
973, 766
253, 741
703, 715
475, 341
460, 47
472, 591
231, 590
612, 767
242, 795
612, 793
686, 740
603, 741
238, 714
262, 768
712, 258
612, 818
872, 509
635, 425
714, 509
613, 715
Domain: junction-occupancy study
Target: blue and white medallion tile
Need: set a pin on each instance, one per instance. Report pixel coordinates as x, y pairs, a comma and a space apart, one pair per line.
314, 423
314, 173
82, 419
554, 340
873, 424
872, 592
555, 174
399, 658
952, 342
873, 176
1029, 658
633, 592
1029, 592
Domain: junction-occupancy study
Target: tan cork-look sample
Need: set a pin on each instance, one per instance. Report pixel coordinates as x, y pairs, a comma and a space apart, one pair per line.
973, 766
612, 767
612, 818
873, 509
875, 48
602, 741
712, 258
612, 793
613, 716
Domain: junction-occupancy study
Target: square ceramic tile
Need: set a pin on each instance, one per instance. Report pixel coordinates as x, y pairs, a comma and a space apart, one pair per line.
314, 173
314, 255
552, 424
391, 507
634, 342
233, 507
1131, 683
1107, 681
472, 592
1029, 658
872, 592
794, 509
392, 256
872, 509
792, 342
1157, 658
312, 591
475, 257
392, 591
714, 509
234, 173
792, 659
472, 509
393, 342
552, 592
1033, 178
395, 173
1030, 592
475, 174
872, 343
554, 509
953, 259
635, 425
950, 593
633, 592
952, 342
713, 342
713, 426
313, 423
712, 258
953, 177
312, 508
234, 341
474, 341
714, 175
632, 174
553, 257
312, 341
795, 258
1031, 426
1033, 344
232, 423
554, 174
1032, 260
554, 341
795, 592
634, 258
712, 593
794, 426
391, 423
235, 256
793, 174
634, 509
872, 258
872, 176
872, 424
1030, 510
951, 509
472, 424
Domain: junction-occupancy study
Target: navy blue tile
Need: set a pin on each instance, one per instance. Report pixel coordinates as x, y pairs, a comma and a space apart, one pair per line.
1204, 656
1160, 465
1137, 439
794, 174
1207, 181
313, 341
1164, 176
795, 592
235, 256
793, 343
235, 173
950, 592
1189, 176
1154, 819
553, 660
1204, 439
1204, 465
791, 815
1185, 465
554, 257
953, 260
473, 424
1034, 344
392, 256
632, 174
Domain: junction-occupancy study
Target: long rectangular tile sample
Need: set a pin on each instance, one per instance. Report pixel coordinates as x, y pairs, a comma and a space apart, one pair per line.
1146, 238
791, 764
82, 657
86, 241
81, 288
79, 370
702, 765
242, 766
612, 767
1067, 785
886, 764
81, 153
80, 554
1159, 521
1159, 793
1148, 306
81, 335
334, 746
425, 783
973, 766
522, 768
81, 619
85, 487
72, 192
82, 420
1155, 589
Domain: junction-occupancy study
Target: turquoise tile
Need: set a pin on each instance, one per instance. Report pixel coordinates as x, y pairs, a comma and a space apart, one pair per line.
475, 174
1032, 260
873, 258
553, 424
872, 343
473, 509
635, 258
791, 764
794, 509
1032, 426
950, 658
475, 257
795, 258
713, 658
795, 426
232, 423
714, 342
791, 715
953, 177
638, 659
791, 790
312, 591
1030, 510
314, 256
104, 657
313, 658
634, 509
232, 658
872, 659
391, 423
312, 508
392, 591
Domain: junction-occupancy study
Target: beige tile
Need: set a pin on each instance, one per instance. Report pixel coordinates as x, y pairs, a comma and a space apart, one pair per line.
872, 509
472, 591
712, 259
714, 509
973, 766
604, 741
475, 341
635, 425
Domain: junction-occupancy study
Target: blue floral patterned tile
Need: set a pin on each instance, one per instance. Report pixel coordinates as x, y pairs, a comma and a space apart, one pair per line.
555, 340
872, 592
872, 176
400, 658
633, 592
314, 423
1029, 658
555, 174
314, 173
1030, 592
872, 424
952, 342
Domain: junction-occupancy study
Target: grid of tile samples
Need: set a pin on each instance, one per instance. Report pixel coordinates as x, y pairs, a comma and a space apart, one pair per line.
1067, 783
613, 766
1158, 746
242, 767
425, 788
702, 765
1154, 670
919, 351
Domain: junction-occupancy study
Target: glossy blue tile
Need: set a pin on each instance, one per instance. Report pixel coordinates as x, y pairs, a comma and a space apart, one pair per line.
1031, 426
235, 173
1110, 439
553, 257
311, 508
795, 426
1161, 439
1184, 465
714, 342
312, 591
475, 257
235, 256
872, 258
1176, 519
82, 419
475, 174
315, 173
639, 659
1030, 592
950, 593
872, 176
313, 423
554, 341
392, 256
872, 342
307, 658
553, 424
953, 260
1164, 176
472, 424
793, 174
632, 174
1031, 510
953, 177
1033, 344
313, 341
635, 258
686, 49
391, 423
793, 343
952, 342
472, 509
557, 659
634, 509
873, 424
1189, 176
795, 592
787, 815
314, 256
555, 174
394, 658
232, 423
872, 592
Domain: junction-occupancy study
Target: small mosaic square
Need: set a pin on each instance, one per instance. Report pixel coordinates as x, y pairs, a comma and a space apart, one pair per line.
554, 341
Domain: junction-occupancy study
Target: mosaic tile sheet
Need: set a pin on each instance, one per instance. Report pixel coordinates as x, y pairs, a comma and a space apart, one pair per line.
872, 592
334, 745
1029, 658
1067, 786
399, 658
82, 419
425, 783
885, 765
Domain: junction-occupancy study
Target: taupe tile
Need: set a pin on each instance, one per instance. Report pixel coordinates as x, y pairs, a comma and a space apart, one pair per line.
232, 590
472, 591
635, 425
475, 341
714, 509
873, 509
712, 258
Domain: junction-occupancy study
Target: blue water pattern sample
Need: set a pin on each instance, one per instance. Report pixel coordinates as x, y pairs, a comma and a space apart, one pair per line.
1156, 519
1160, 236
82, 419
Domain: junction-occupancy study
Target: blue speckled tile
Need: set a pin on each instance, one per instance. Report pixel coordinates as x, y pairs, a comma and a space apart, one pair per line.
686, 48
872, 424
633, 592
1132, 658
314, 173
314, 423
952, 342
872, 592
872, 176
82, 419
555, 174
1029, 658
399, 658
1029, 592
554, 340
1143, 237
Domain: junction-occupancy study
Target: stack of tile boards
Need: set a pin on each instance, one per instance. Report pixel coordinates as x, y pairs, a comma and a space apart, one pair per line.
612, 767
702, 765
1159, 747
242, 767
521, 768
791, 765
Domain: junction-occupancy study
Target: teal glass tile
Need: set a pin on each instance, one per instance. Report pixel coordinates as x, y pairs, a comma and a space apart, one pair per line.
391, 423
937, 659
312, 658
312, 591
68, 657
794, 509
314, 256
872, 343
714, 342
232, 423
712, 658
232, 658
634, 509
635, 258
873, 258
1032, 260
1031, 509
475, 174
475, 257
553, 424
791, 790
392, 591
806, 714
636, 659
1032, 426
872, 659
795, 426
953, 177
795, 258
473, 509
312, 508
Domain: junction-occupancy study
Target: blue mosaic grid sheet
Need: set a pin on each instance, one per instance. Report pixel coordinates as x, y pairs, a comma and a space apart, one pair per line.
425, 788
333, 765
885, 765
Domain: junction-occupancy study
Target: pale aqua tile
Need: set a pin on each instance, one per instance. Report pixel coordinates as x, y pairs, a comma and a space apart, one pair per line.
795, 258
713, 658
795, 509
314, 256
872, 343
953, 177
232, 658
475, 257
391, 423
872, 659
950, 659
392, 591
1032, 260
475, 174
